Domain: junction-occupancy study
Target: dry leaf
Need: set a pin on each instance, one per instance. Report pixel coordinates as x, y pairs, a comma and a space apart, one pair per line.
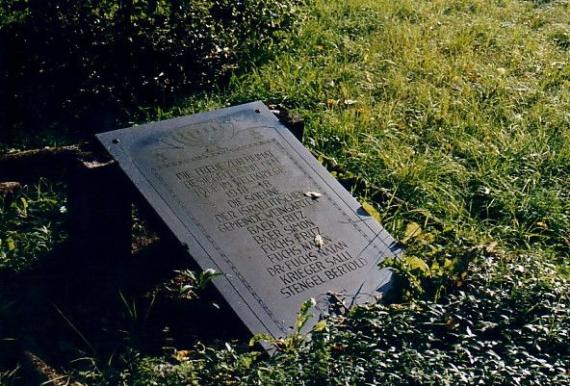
182, 355
319, 241
491, 247
313, 195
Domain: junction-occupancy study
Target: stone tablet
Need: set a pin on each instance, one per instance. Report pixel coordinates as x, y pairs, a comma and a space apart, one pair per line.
248, 200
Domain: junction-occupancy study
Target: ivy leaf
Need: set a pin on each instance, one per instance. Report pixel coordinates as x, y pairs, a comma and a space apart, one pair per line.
413, 230
10, 244
320, 326
417, 263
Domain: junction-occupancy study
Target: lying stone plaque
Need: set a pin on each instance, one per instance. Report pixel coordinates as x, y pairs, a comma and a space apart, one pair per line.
248, 200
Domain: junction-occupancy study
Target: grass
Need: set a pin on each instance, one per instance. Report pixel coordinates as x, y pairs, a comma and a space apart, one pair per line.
31, 225
459, 108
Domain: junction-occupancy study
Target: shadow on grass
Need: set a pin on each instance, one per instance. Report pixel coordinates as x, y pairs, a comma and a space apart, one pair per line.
81, 306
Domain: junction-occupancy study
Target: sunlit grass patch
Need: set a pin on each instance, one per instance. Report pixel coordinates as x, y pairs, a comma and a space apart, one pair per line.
459, 108
446, 99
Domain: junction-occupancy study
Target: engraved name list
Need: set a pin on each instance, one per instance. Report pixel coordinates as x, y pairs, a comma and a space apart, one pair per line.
275, 221
248, 200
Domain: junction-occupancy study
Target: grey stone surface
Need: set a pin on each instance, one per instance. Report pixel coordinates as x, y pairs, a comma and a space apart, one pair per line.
248, 200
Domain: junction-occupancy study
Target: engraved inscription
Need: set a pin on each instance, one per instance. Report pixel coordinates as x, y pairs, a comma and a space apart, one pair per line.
274, 221
250, 201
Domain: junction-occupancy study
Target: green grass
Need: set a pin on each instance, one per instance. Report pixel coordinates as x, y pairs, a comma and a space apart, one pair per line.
461, 110
31, 225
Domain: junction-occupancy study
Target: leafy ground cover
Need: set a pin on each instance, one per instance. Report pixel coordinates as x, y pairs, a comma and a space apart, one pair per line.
84, 66
450, 119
